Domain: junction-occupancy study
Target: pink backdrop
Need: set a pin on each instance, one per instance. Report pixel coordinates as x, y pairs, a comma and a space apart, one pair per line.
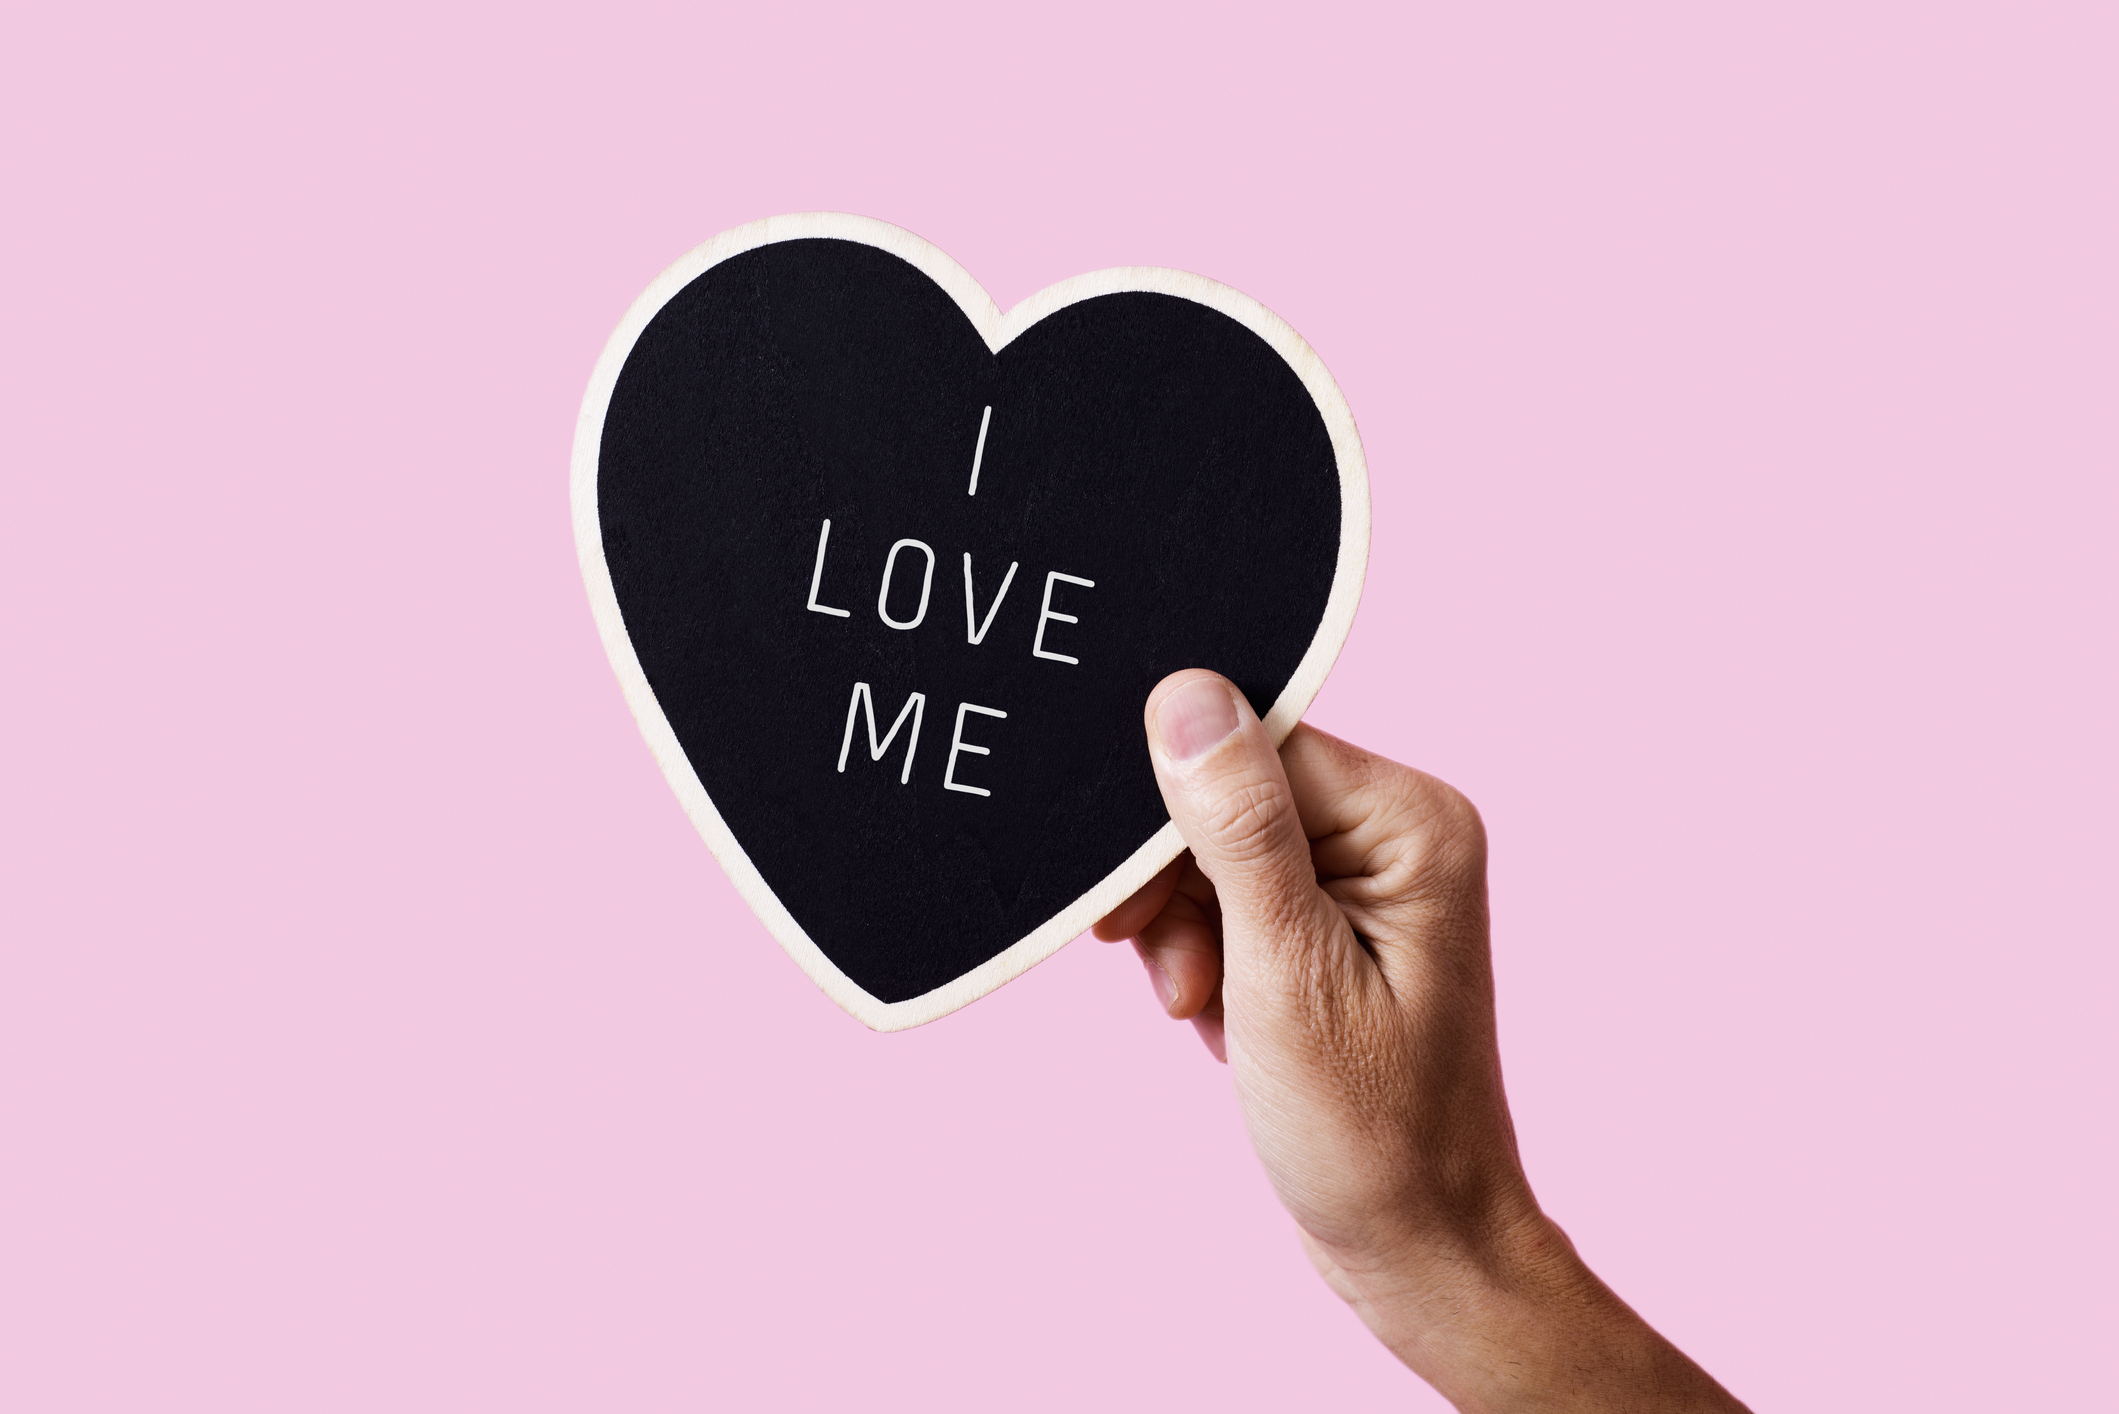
375, 1033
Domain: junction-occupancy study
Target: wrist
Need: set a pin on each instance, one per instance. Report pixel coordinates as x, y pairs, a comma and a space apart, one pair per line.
1511, 1319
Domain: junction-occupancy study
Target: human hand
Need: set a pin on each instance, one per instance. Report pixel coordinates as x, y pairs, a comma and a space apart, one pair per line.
1327, 934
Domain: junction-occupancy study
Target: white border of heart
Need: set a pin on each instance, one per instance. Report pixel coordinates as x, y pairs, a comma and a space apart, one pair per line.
998, 329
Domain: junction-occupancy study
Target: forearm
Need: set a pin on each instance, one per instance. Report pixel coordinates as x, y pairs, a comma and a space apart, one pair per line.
1518, 1326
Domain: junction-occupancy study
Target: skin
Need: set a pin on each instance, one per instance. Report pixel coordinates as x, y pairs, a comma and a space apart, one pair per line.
1326, 932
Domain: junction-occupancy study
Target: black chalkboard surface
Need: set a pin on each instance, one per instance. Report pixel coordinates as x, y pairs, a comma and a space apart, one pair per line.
887, 575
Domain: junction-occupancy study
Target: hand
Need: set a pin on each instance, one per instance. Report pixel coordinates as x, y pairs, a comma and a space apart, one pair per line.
1327, 934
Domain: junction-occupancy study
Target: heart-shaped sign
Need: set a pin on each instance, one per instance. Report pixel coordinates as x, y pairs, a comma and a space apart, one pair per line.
887, 575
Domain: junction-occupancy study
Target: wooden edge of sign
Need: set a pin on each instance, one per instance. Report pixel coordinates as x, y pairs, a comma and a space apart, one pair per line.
998, 329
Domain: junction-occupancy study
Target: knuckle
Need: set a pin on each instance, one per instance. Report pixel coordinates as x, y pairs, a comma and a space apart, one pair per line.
1247, 822
1437, 838
1456, 828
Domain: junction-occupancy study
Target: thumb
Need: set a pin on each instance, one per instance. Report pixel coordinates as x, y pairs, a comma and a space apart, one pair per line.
1228, 793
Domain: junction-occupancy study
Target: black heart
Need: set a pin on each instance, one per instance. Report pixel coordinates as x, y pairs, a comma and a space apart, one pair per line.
1155, 471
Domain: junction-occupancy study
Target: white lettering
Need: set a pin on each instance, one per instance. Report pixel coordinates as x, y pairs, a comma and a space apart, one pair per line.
816, 577
1037, 647
980, 454
957, 744
890, 566
974, 631
862, 698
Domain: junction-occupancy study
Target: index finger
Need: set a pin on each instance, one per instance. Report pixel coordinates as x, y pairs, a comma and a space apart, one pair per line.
1137, 912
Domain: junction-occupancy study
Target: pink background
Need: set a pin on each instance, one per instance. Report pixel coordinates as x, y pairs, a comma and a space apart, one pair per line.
375, 1033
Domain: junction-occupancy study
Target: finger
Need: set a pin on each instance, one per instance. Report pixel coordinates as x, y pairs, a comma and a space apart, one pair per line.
1181, 948
1229, 796
1370, 817
1330, 779
1209, 1026
1126, 920
1402, 854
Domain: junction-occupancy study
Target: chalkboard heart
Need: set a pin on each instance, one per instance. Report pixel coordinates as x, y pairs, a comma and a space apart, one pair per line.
887, 574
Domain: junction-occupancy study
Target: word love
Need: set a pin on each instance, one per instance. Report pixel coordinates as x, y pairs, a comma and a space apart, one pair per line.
975, 626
